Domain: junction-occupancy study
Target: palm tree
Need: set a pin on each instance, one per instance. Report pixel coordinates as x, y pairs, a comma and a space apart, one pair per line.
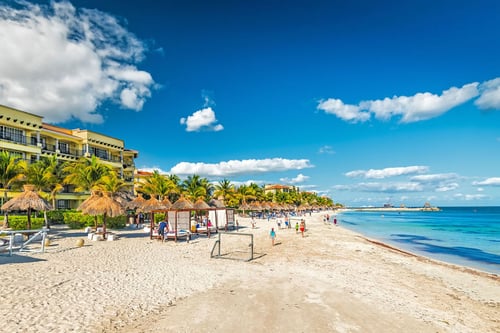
111, 183
56, 178
195, 187
11, 168
39, 175
246, 193
86, 173
224, 189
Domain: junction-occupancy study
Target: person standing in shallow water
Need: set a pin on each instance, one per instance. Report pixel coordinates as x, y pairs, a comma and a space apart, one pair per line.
272, 234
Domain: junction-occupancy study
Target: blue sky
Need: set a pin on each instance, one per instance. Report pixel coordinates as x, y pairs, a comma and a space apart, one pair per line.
367, 102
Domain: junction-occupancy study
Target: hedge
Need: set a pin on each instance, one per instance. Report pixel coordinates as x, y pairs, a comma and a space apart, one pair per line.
77, 220
19, 222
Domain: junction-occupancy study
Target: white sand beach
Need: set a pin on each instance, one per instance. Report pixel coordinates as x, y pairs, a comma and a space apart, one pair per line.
331, 280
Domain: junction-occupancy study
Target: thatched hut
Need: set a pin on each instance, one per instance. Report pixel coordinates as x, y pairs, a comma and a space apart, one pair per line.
27, 201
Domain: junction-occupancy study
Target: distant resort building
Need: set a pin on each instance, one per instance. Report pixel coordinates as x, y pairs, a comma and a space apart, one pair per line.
26, 136
276, 188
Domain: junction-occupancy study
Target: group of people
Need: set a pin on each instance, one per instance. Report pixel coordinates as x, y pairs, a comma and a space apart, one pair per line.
301, 227
327, 219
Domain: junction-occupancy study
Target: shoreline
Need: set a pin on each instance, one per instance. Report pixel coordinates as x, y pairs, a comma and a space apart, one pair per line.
333, 279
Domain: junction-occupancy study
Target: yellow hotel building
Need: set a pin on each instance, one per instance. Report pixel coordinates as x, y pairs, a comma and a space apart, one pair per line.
25, 135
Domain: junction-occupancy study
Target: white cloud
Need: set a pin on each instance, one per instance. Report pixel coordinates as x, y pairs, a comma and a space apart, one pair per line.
390, 187
382, 187
494, 181
326, 150
435, 178
343, 111
63, 63
447, 187
248, 182
421, 106
299, 179
470, 197
387, 172
203, 119
239, 167
490, 95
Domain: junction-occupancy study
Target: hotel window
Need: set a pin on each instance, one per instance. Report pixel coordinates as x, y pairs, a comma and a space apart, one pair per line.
64, 147
12, 134
101, 153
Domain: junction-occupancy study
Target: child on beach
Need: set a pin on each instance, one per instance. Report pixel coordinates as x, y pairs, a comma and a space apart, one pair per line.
302, 227
296, 227
272, 234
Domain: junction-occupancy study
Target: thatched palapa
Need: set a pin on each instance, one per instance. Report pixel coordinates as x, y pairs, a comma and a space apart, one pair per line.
28, 200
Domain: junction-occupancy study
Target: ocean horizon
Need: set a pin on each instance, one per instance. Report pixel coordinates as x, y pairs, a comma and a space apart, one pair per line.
466, 235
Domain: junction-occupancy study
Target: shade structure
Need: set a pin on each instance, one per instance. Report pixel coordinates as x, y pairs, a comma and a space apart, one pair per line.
255, 206
166, 203
101, 203
200, 204
28, 200
123, 198
136, 202
151, 205
182, 204
214, 203
244, 206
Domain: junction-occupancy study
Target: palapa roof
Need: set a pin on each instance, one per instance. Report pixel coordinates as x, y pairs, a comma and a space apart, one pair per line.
136, 202
27, 200
166, 203
200, 204
214, 203
182, 204
151, 204
100, 204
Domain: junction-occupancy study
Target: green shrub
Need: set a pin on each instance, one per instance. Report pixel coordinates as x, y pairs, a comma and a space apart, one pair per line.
76, 220
159, 217
56, 216
20, 222
117, 222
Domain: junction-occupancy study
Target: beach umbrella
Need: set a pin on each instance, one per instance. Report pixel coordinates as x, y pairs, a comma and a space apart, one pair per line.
166, 203
136, 202
101, 203
151, 204
182, 204
124, 198
200, 204
255, 206
28, 200
214, 203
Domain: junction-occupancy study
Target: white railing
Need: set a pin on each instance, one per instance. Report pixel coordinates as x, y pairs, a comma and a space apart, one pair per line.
21, 246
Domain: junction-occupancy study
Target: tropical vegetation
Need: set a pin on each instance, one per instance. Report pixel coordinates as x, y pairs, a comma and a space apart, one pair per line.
50, 176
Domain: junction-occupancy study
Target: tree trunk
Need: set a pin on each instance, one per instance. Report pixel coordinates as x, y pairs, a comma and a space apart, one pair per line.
47, 224
29, 218
104, 226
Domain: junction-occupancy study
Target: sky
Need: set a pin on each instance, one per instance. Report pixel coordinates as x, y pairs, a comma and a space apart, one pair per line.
366, 102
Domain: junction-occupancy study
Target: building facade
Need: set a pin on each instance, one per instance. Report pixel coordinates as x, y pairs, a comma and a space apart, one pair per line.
277, 188
26, 136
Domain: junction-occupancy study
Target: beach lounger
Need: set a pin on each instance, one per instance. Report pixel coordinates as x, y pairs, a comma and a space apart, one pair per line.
172, 234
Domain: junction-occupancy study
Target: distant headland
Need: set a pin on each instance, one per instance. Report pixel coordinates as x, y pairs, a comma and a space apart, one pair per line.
389, 208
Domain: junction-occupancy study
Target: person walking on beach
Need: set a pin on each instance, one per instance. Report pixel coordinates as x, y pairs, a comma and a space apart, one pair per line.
302, 227
162, 229
272, 234
296, 227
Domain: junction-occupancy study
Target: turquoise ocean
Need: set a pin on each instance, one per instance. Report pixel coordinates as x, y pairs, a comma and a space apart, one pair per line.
467, 236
